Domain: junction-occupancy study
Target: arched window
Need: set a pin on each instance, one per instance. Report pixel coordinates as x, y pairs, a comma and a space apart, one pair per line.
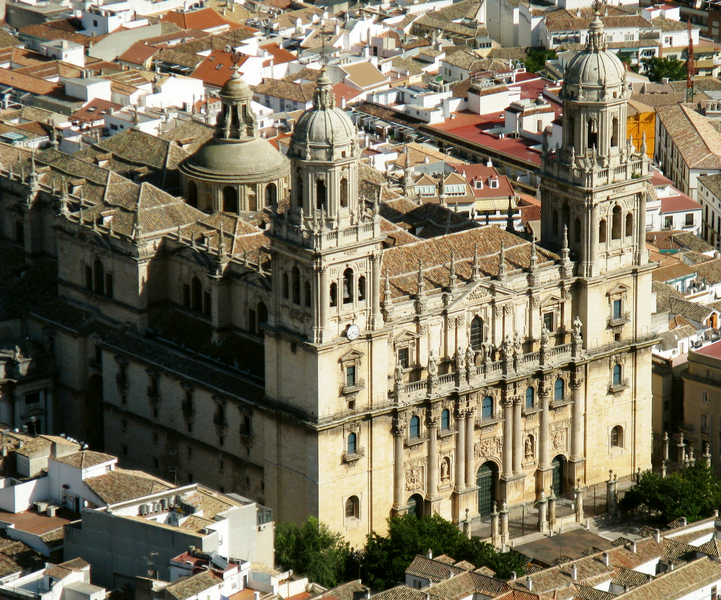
566, 214
344, 193
333, 294
295, 284
529, 397
616, 374
602, 232
476, 333
617, 437
414, 431
616, 223
554, 222
487, 408
352, 439
98, 277
306, 293
348, 286
262, 313
252, 200
286, 287
361, 288
193, 194
592, 137
614, 132
230, 199
577, 231
570, 125
320, 194
558, 390
196, 294
352, 507
445, 419
415, 505
629, 225
271, 194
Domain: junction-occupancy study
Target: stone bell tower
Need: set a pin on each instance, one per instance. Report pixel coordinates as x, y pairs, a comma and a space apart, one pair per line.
593, 193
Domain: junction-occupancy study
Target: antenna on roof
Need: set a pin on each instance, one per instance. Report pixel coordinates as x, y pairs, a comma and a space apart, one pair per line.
690, 66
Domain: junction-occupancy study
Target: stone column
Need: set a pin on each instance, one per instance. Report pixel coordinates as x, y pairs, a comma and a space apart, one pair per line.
611, 492
375, 291
505, 536
641, 252
579, 409
543, 449
579, 502
542, 513
552, 510
398, 487
470, 455
495, 533
461, 450
324, 301
432, 460
593, 250
518, 448
507, 438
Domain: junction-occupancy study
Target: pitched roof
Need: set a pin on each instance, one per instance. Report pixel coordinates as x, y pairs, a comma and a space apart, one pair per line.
364, 74
84, 459
192, 586
120, 485
432, 569
697, 140
202, 19
286, 90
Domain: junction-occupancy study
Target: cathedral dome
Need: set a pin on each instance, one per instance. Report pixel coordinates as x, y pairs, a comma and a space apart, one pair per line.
595, 73
324, 127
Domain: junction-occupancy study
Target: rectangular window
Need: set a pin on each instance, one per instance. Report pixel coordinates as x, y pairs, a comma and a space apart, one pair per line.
548, 321
713, 593
88, 278
616, 309
186, 295
705, 424
245, 428
689, 219
206, 303
19, 233
108, 285
350, 376
706, 397
98, 355
403, 357
32, 398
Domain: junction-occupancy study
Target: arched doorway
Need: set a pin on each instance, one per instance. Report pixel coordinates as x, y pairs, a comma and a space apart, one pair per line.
230, 199
486, 479
415, 505
559, 473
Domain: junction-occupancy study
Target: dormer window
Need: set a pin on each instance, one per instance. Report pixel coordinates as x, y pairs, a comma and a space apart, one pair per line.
494, 183
479, 184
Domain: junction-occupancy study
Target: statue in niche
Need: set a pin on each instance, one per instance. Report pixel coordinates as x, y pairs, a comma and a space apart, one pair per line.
445, 470
432, 366
529, 447
545, 337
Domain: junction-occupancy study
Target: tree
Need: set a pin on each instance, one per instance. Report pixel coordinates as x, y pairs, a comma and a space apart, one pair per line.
536, 58
312, 550
693, 493
660, 68
386, 558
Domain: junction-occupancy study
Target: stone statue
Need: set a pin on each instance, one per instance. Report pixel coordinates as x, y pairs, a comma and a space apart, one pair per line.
529, 447
577, 329
398, 375
507, 347
517, 345
470, 357
495, 507
545, 337
432, 366
459, 359
445, 470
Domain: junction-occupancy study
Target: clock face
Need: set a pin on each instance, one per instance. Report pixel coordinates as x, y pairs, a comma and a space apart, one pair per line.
353, 332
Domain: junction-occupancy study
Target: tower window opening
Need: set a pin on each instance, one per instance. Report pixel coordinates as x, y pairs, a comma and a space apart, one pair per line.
554, 222
614, 132
286, 287
476, 333
252, 199
616, 223
344, 193
193, 194
306, 293
271, 194
196, 295
629, 225
299, 190
361, 288
320, 194
602, 231
592, 137
230, 199
577, 231
348, 286
566, 216
333, 294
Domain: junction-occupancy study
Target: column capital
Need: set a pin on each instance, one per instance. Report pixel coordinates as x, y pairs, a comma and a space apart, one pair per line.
507, 402
399, 427
470, 412
431, 421
460, 413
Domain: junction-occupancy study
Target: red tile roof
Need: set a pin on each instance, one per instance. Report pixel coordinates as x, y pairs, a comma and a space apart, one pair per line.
341, 91
713, 350
680, 203
27, 83
215, 68
138, 53
280, 55
203, 19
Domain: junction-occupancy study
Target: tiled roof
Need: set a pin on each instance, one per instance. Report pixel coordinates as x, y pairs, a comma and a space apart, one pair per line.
689, 310
664, 293
710, 271
346, 591
27, 83
364, 74
432, 569
120, 485
192, 586
203, 19
679, 583
287, 90
665, 24
679, 203
698, 142
712, 182
616, 16
175, 56
84, 459
403, 592
686, 239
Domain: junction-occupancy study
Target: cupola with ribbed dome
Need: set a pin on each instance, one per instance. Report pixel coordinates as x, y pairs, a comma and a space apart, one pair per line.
324, 155
236, 171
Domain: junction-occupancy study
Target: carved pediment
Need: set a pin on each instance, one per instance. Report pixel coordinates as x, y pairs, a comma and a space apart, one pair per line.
351, 356
551, 300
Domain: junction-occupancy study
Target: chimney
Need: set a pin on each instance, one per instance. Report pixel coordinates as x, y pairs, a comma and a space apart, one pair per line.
606, 559
529, 583
489, 162
513, 575
670, 566
429, 554
657, 536
633, 547
367, 593
574, 571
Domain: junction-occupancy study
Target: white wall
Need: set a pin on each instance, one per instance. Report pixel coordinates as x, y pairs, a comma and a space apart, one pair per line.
16, 498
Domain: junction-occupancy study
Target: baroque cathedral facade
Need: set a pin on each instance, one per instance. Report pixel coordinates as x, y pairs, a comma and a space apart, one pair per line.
272, 333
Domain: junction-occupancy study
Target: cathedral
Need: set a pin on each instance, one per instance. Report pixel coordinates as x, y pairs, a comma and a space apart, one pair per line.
271, 331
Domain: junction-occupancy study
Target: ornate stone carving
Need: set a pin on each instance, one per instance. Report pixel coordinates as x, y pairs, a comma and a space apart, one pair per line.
478, 293
558, 440
487, 448
414, 478
508, 308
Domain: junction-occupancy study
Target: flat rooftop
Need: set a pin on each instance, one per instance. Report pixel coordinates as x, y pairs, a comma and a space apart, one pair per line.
33, 522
